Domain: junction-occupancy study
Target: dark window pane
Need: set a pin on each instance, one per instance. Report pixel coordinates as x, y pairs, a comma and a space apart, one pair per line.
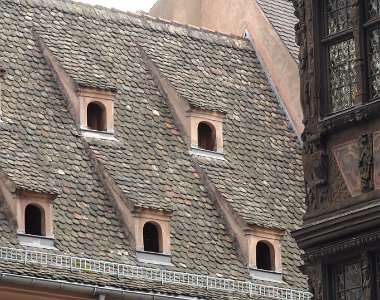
373, 9
338, 15
206, 139
151, 238
263, 256
374, 62
33, 220
95, 117
349, 282
342, 75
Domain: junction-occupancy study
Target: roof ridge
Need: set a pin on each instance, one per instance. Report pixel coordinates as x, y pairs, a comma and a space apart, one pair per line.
142, 20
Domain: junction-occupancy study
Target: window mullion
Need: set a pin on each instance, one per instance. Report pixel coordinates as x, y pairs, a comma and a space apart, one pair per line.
358, 34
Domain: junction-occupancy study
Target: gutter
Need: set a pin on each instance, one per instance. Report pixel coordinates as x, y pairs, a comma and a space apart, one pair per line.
86, 289
272, 85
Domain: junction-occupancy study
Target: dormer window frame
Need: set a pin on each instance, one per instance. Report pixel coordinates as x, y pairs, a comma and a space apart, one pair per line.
161, 219
44, 202
104, 99
271, 237
215, 122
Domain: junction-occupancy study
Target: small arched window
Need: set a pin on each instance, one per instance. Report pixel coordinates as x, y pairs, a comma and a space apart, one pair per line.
96, 117
206, 136
151, 237
263, 256
33, 220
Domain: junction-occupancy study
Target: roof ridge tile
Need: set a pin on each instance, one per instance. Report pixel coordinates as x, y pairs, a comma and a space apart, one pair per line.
112, 14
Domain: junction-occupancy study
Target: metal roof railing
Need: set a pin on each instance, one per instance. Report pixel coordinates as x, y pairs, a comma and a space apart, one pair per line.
157, 275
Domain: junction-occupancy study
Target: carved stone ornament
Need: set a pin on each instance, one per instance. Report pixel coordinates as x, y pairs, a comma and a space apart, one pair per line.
366, 162
314, 274
367, 276
317, 183
300, 29
347, 156
376, 159
343, 248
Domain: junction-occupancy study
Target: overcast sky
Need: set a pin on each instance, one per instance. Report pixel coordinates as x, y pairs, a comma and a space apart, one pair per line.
126, 5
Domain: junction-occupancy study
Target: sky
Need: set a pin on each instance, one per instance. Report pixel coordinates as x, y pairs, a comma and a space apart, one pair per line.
126, 5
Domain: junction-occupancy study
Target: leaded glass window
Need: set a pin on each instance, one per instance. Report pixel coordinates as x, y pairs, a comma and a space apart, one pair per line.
342, 75
373, 9
374, 62
340, 55
338, 15
350, 39
349, 282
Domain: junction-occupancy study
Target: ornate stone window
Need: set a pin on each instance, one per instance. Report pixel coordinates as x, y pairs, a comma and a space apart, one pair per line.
350, 30
346, 281
339, 43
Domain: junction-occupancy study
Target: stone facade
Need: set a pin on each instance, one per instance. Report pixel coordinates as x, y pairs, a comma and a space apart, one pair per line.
341, 226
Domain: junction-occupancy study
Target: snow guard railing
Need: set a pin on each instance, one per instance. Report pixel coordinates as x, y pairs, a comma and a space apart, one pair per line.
157, 275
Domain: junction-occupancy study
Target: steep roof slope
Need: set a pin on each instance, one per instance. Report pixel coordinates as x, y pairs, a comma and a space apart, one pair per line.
281, 14
42, 150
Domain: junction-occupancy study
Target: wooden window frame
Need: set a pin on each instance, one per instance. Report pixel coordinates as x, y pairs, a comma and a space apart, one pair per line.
360, 34
331, 270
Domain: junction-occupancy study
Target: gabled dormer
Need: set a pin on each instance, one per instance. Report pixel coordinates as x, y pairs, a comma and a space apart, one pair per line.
264, 252
152, 234
201, 122
96, 111
90, 96
205, 129
31, 211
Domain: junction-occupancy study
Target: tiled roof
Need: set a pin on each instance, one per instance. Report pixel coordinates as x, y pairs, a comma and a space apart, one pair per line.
42, 150
281, 14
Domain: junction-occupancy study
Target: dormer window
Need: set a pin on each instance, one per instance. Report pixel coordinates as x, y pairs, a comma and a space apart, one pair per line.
264, 256
96, 116
97, 112
152, 237
152, 232
206, 131
264, 252
206, 136
34, 212
34, 220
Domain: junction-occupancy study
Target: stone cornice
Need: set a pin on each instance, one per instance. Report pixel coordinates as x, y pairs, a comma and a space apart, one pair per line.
339, 248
